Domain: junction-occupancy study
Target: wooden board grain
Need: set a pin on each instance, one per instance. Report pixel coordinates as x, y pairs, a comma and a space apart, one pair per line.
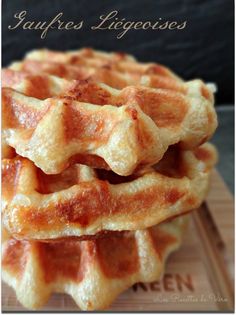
198, 277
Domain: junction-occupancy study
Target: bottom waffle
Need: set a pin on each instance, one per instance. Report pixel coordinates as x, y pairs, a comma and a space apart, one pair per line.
94, 271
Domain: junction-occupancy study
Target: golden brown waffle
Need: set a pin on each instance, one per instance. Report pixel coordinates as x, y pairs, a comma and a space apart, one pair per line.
104, 74
84, 53
93, 272
43, 85
82, 201
115, 61
115, 69
134, 130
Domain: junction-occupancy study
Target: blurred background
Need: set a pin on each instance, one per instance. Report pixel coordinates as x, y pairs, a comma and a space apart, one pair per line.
203, 49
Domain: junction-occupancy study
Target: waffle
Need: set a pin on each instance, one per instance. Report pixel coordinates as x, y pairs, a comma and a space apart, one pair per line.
114, 61
86, 53
41, 84
83, 201
104, 74
133, 131
101, 69
93, 272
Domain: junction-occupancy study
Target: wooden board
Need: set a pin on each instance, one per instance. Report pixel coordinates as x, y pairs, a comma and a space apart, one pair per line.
199, 277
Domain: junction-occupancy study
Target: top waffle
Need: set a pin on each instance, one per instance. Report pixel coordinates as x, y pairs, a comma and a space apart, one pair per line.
115, 69
57, 121
119, 62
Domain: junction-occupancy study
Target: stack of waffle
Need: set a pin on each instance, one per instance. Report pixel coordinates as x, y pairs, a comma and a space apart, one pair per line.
102, 156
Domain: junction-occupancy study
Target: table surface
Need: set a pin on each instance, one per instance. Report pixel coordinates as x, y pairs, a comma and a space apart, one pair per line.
224, 141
